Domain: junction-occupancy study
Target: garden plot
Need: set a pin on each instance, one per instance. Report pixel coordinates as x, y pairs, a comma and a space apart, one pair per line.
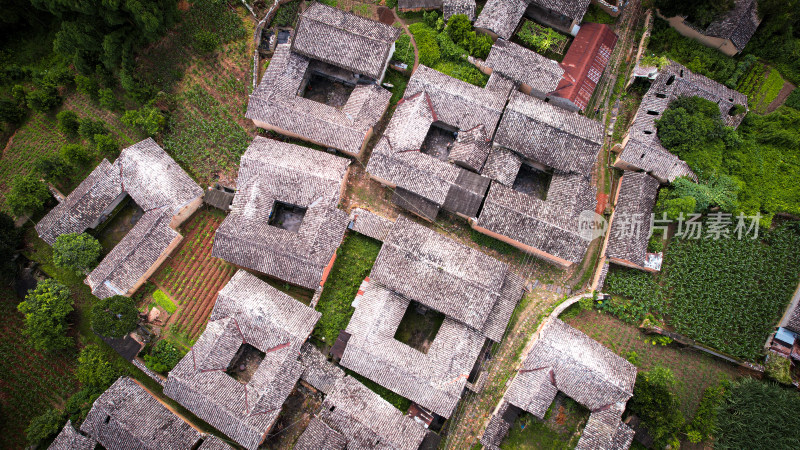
762, 84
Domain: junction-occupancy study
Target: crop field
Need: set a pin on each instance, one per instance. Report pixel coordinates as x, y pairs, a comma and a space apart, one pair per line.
30, 382
761, 85
695, 370
192, 277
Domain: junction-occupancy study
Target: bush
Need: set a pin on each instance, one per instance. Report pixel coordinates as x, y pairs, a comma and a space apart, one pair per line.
541, 39
94, 369
698, 58
463, 71
51, 168
163, 358
163, 301
286, 14
778, 368
45, 309
10, 240
105, 144
458, 28
107, 99
75, 154
45, 426
206, 41
44, 98
480, 45
89, 128
78, 405
27, 195
448, 48
793, 101
76, 251
404, 51
68, 123
11, 112
741, 68
114, 317
427, 46
149, 119
391, 4
87, 85
657, 406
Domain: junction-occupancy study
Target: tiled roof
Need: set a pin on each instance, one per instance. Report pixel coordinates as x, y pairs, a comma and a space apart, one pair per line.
502, 165
793, 323
419, 4
127, 417
249, 311
273, 171
364, 420
524, 66
370, 224
549, 135
319, 436
436, 271
573, 9
70, 439
453, 7
276, 103
344, 39
317, 370
471, 149
501, 16
584, 63
133, 256
739, 24
550, 225
643, 149
564, 359
637, 196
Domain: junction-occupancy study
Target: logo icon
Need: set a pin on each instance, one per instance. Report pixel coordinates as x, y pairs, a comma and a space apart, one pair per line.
591, 225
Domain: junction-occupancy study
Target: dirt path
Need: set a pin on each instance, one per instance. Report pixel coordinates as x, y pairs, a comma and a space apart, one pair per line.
467, 424
782, 96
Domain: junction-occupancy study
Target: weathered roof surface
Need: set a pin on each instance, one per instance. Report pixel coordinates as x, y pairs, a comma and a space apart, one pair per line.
549, 135
550, 225
739, 24
564, 359
319, 436
273, 171
344, 39
643, 149
366, 420
276, 103
502, 165
84, 205
317, 370
436, 271
585, 62
453, 7
127, 417
501, 16
370, 224
419, 4
471, 149
70, 439
630, 227
793, 322
434, 379
133, 256
574, 9
212, 442
525, 66
249, 311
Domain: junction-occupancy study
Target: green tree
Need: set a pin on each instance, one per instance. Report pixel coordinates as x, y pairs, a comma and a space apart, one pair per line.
148, 118
11, 112
163, 357
45, 309
658, 407
458, 28
10, 239
94, 368
105, 144
68, 123
45, 426
52, 167
114, 317
107, 99
76, 251
27, 195
89, 128
75, 154
87, 85
43, 99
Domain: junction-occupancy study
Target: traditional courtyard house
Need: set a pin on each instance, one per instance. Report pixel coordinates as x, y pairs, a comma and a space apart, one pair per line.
540, 166
501, 17
127, 416
245, 364
324, 86
353, 416
532, 73
629, 230
729, 33
158, 185
583, 65
284, 221
437, 140
70, 439
449, 7
642, 149
419, 271
565, 360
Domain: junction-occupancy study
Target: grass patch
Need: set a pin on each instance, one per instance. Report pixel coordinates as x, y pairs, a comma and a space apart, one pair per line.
396, 400
556, 432
354, 260
163, 301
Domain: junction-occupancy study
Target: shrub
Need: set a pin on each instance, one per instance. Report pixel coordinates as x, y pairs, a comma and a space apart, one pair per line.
705, 420
75, 154
89, 128
28, 194
206, 41
163, 358
657, 406
148, 118
403, 50
10, 240
105, 144
286, 14
76, 251
52, 167
778, 368
427, 46
114, 317
793, 101
94, 369
480, 46
539, 38
87, 85
44, 426
458, 28
448, 48
391, 4
107, 99
463, 71
78, 405
44, 98
45, 309
68, 123
11, 112
163, 301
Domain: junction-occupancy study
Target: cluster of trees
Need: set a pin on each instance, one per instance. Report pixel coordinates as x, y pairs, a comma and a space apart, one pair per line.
163, 357
657, 406
698, 12
750, 170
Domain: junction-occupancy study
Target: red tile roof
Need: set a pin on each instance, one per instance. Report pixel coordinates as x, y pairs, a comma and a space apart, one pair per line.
584, 62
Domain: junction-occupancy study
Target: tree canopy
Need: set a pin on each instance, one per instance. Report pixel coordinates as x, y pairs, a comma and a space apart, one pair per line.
94, 369
45, 309
658, 407
76, 251
114, 317
698, 12
10, 238
27, 195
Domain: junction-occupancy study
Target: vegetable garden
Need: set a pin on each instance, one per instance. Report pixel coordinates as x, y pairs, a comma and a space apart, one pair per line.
761, 85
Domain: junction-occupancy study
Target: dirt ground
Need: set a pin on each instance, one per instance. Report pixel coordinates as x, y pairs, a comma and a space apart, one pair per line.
296, 413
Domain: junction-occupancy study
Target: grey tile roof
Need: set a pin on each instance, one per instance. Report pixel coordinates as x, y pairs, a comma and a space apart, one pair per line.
524, 66
366, 420
501, 16
249, 311
70, 439
344, 39
127, 417
419, 4
317, 370
637, 196
319, 436
793, 323
436, 271
739, 24
370, 224
453, 7
471, 149
133, 256
273, 171
502, 165
212, 442
549, 135
277, 103
550, 225
643, 149
564, 359
573, 9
